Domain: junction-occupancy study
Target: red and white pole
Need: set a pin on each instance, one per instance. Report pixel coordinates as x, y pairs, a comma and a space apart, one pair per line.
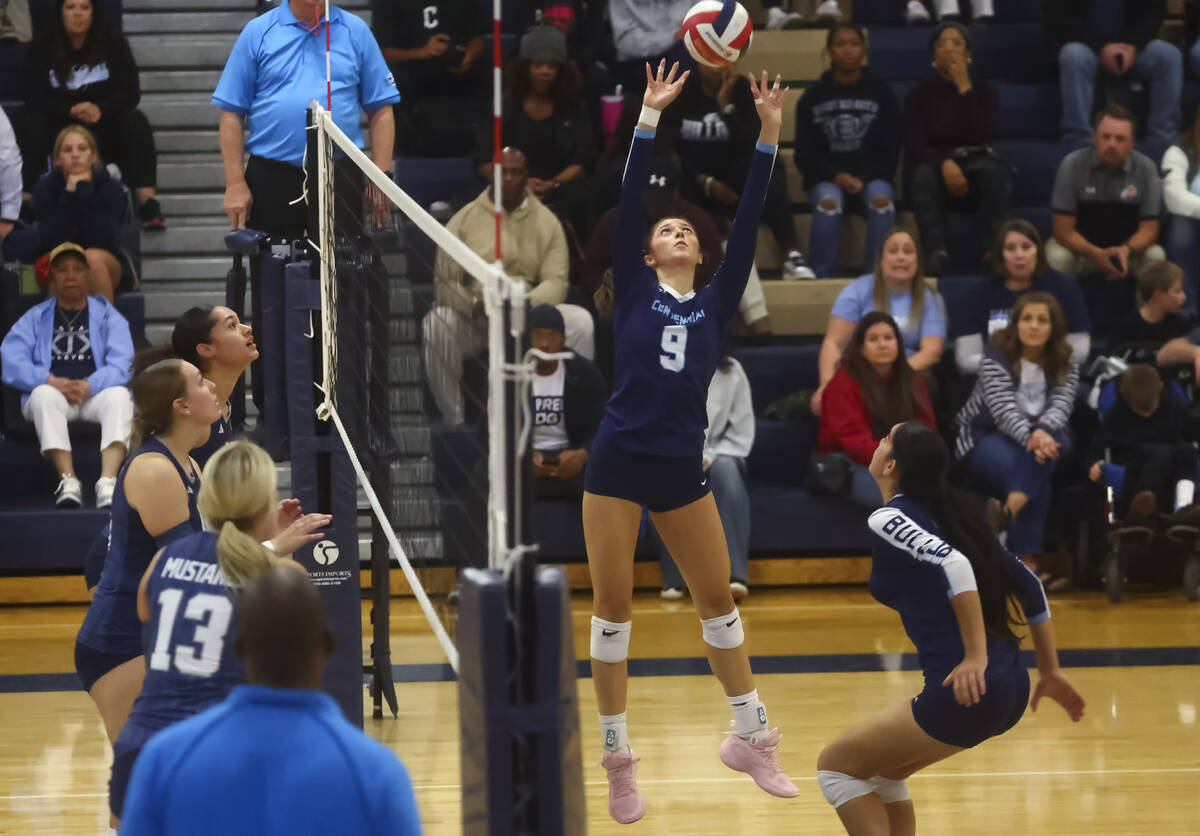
497, 116
328, 65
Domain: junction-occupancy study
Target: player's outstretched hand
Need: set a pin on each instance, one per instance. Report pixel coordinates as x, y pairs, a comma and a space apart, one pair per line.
661, 91
1058, 688
769, 101
967, 679
303, 530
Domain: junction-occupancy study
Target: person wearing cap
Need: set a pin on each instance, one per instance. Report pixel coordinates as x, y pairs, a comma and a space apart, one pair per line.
714, 125
277, 756
1119, 37
949, 119
70, 357
568, 402
545, 116
534, 250
434, 50
276, 68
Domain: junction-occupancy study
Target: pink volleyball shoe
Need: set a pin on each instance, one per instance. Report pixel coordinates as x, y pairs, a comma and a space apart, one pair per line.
625, 804
760, 761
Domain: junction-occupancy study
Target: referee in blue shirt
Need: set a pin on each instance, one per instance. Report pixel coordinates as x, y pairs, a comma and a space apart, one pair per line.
277, 757
276, 68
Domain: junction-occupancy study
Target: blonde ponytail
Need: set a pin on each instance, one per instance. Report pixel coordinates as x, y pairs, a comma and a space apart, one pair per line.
236, 490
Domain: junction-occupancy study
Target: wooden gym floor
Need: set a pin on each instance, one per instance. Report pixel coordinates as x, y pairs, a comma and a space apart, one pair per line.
1132, 766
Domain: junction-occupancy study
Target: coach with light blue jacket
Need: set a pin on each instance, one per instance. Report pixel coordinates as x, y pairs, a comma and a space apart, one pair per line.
70, 357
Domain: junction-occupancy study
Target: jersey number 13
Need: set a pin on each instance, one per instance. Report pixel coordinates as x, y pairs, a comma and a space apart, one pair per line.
211, 615
674, 346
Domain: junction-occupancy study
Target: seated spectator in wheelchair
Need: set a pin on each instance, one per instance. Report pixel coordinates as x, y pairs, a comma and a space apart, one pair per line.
568, 403
1151, 434
70, 357
847, 148
1181, 194
949, 121
1119, 38
78, 201
534, 250
434, 51
873, 389
727, 442
917, 310
83, 72
1105, 208
1018, 261
1013, 430
1148, 329
715, 127
545, 116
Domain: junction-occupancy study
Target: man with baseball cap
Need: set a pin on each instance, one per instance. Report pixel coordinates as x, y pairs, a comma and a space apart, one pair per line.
69, 356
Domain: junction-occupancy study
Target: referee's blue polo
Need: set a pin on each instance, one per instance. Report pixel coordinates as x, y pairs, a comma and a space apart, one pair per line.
268, 761
278, 66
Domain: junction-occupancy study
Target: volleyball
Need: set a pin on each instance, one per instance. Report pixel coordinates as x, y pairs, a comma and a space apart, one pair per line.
715, 39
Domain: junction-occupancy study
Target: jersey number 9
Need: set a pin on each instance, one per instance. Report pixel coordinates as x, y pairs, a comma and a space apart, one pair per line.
674, 346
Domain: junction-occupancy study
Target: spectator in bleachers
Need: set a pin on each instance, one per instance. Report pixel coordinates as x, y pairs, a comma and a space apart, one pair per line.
716, 125
727, 442
78, 201
897, 288
83, 72
589, 43
847, 148
873, 389
949, 121
1013, 430
1181, 194
568, 403
1152, 435
69, 356
268, 81
534, 249
260, 750
1155, 332
1120, 37
10, 178
1018, 266
1105, 206
15, 22
434, 49
644, 32
544, 116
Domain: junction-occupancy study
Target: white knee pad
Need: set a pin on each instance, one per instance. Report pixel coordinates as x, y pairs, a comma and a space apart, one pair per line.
723, 632
839, 788
610, 640
889, 791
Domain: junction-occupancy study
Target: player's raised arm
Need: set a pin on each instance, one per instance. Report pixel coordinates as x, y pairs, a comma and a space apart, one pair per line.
739, 251
661, 90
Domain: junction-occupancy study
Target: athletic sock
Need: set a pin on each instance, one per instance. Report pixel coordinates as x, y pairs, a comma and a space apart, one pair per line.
749, 717
1185, 493
614, 732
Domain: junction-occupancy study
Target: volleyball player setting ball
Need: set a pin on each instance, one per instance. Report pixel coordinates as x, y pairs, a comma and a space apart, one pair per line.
647, 452
937, 563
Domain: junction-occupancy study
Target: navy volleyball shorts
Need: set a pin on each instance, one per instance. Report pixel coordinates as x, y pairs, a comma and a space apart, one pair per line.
941, 717
92, 664
657, 483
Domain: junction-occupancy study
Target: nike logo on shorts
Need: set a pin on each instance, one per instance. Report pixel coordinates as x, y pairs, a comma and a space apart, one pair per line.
607, 633
704, 481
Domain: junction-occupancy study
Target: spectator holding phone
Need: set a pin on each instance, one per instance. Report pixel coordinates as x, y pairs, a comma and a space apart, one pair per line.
568, 402
1106, 202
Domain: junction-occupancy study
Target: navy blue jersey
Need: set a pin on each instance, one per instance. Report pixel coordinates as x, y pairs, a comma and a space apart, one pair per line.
219, 435
667, 344
190, 663
111, 624
915, 572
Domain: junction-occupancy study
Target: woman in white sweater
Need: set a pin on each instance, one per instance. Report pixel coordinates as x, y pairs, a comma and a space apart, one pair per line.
1181, 192
727, 442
